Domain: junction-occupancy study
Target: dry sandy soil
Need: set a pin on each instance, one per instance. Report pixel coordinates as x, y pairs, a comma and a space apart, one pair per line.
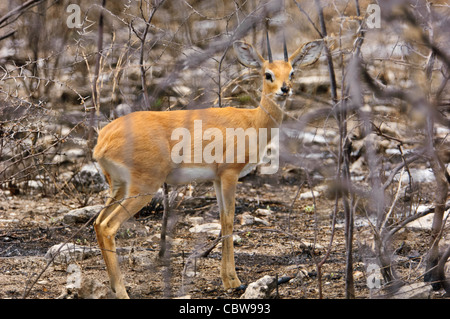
295, 231
283, 246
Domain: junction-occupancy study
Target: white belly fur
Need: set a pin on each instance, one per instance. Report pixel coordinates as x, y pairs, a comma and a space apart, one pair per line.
186, 175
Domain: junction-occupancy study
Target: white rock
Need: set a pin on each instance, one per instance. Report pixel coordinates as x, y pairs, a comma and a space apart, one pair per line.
263, 212
74, 153
424, 222
123, 109
247, 219
93, 289
81, 215
212, 229
90, 179
309, 195
197, 220
261, 221
209, 228
418, 175
260, 289
305, 137
418, 290
69, 252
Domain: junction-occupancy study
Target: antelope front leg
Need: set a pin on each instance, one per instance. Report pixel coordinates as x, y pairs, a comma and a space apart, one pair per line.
226, 190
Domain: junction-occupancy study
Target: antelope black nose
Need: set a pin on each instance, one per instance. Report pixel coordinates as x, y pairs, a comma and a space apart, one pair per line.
285, 89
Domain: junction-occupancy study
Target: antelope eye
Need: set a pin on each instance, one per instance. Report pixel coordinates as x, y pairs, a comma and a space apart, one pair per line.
291, 75
269, 77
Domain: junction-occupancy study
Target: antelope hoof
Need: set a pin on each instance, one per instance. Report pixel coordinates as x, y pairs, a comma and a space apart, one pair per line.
121, 293
231, 282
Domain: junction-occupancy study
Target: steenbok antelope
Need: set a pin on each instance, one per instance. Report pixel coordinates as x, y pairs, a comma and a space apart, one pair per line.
140, 151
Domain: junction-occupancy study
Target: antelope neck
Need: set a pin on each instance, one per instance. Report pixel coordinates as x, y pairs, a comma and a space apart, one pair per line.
271, 111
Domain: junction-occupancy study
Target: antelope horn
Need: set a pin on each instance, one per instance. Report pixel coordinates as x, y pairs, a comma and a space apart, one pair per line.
286, 56
269, 51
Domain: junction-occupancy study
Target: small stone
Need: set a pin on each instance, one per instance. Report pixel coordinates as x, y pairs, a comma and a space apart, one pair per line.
81, 215
418, 290
260, 289
69, 252
209, 228
90, 179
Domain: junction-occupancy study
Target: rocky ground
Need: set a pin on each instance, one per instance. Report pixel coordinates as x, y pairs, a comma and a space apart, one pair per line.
274, 236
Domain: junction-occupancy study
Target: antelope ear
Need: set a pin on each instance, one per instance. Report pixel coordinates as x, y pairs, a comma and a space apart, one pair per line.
247, 55
307, 54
